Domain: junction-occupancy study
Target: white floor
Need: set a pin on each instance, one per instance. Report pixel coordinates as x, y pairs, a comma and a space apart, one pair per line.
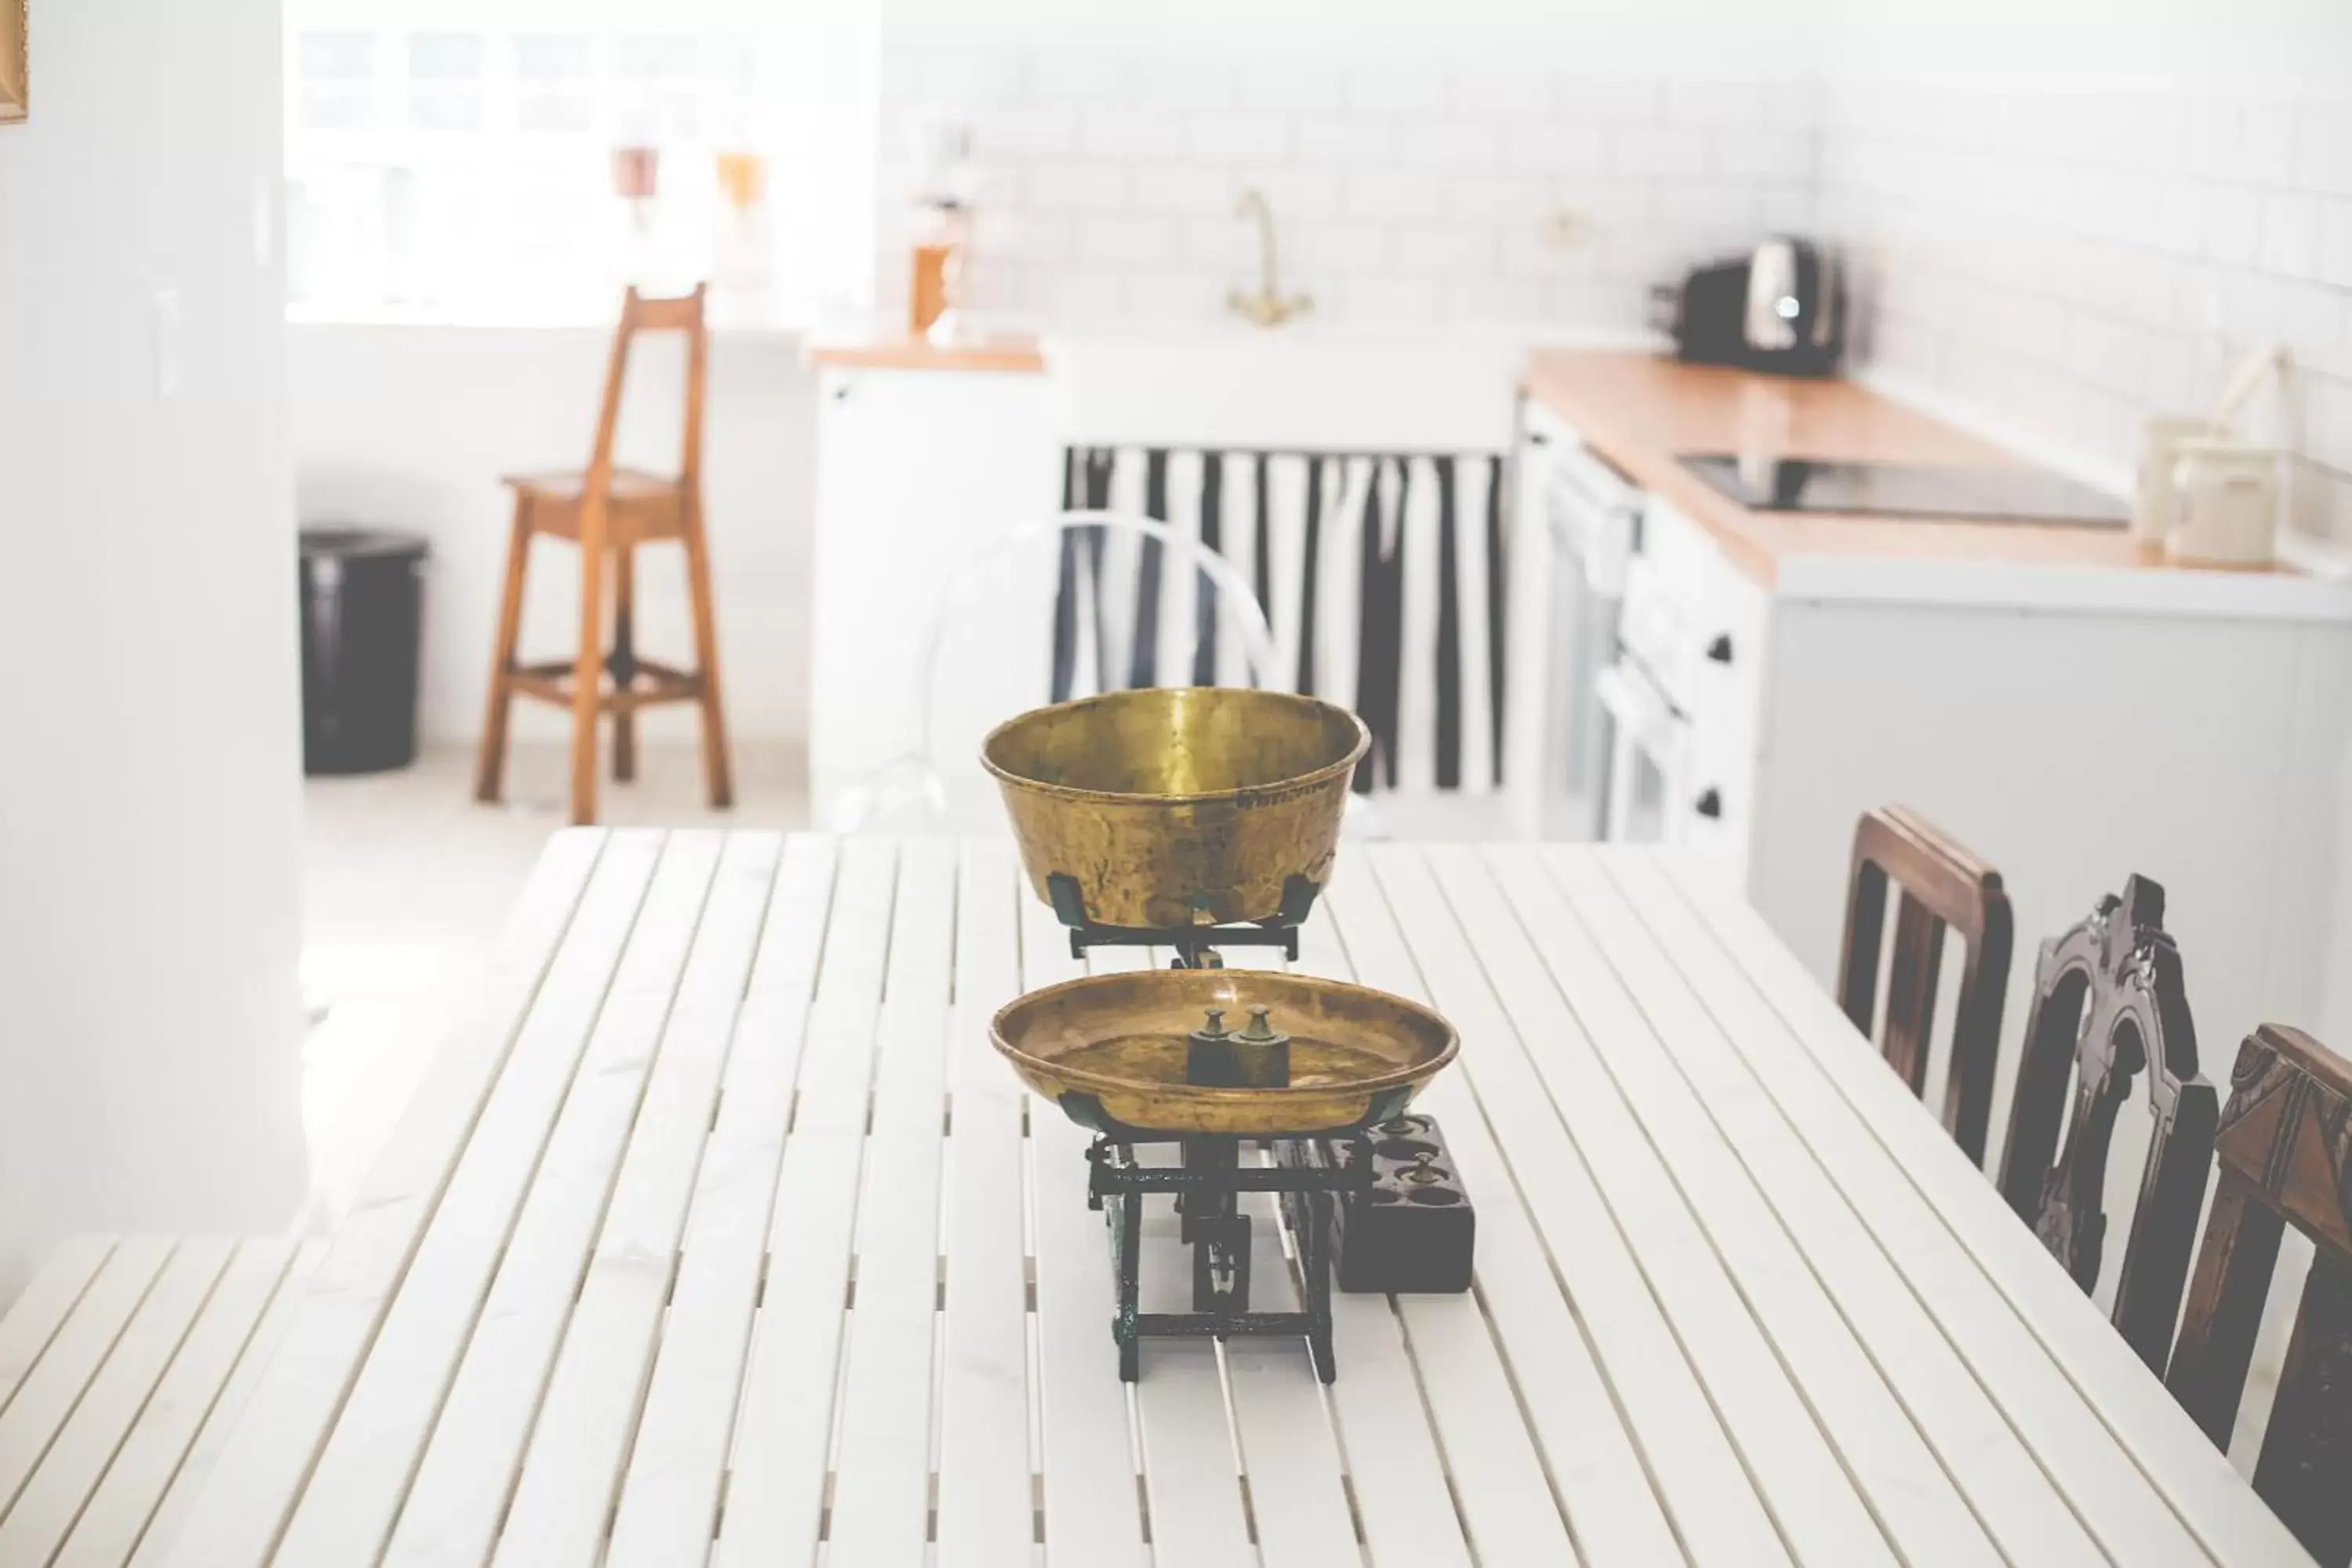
405, 881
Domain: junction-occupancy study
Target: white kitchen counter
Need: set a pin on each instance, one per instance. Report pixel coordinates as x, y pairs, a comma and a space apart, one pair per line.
1641, 410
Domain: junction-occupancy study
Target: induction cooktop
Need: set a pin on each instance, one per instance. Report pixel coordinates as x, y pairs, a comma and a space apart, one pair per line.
1922, 491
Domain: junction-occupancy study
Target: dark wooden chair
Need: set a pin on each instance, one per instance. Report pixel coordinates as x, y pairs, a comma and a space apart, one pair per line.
2109, 1006
608, 512
2285, 1153
1943, 885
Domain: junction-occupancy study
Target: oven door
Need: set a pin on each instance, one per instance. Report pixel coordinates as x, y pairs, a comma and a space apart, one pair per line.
1576, 532
1649, 758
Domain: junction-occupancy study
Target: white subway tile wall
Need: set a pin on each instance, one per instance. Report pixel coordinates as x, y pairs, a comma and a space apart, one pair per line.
2076, 260
2058, 263
1404, 193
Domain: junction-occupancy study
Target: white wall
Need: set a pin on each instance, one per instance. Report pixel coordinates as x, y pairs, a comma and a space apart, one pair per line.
2071, 236
2057, 240
1411, 183
411, 428
150, 769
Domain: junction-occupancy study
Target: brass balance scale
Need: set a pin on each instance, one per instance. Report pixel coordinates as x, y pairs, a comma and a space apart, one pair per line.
1196, 819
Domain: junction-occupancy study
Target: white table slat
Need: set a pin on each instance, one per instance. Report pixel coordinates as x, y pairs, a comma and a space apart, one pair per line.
776, 1476
881, 1487
117, 1351
1092, 1502
836, 1070
1697, 1473
57, 1382
1395, 1474
268, 1460
127, 1520
857, 935
1589, 931
1191, 1479
2023, 1327
1813, 1494
345, 1512
466, 1476
881, 1484
101, 1481
669, 1500
985, 1518
775, 1494
42, 1309
1507, 1499
922, 925
1613, 1514
793, 937
1289, 1450
1192, 1482
36, 1524
581, 1433
1916, 1504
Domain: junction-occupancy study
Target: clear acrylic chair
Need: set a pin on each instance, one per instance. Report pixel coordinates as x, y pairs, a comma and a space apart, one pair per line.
1130, 596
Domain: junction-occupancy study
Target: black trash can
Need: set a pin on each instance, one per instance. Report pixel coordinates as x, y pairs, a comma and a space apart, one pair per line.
363, 618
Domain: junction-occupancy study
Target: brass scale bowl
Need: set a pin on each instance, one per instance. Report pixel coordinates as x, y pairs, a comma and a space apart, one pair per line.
1178, 808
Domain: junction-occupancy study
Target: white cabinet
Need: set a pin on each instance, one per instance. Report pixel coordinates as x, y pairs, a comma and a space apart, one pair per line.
1685, 693
2070, 747
2071, 744
916, 471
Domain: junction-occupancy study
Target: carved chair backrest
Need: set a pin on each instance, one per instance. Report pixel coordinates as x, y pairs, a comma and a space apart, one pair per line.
2285, 1149
1943, 885
2109, 1006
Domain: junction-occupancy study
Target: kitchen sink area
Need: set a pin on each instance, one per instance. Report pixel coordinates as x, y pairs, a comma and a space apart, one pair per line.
1308, 386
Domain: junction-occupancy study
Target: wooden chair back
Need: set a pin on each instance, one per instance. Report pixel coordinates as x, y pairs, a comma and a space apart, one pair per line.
2285, 1149
1944, 886
683, 314
2109, 1006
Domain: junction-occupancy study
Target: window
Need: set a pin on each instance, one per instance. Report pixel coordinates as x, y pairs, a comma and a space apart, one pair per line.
519, 162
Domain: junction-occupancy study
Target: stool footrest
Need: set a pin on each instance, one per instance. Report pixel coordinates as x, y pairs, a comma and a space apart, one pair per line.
651, 686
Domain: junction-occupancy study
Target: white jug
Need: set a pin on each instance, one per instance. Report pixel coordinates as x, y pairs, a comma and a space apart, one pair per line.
2227, 500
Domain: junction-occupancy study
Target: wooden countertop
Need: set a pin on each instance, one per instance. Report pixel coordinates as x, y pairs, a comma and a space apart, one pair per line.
1019, 356
1639, 410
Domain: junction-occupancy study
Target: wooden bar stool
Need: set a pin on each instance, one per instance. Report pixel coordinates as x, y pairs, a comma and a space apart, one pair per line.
606, 510
2285, 1149
2108, 1007
1943, 885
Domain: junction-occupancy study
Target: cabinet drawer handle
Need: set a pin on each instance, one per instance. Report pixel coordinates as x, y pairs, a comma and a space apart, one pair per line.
1719, 649
1709, 804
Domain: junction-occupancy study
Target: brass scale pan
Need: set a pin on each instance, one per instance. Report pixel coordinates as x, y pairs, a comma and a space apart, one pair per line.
1189, 806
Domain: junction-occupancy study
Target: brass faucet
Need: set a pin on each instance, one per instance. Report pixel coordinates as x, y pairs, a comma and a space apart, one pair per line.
1269, 307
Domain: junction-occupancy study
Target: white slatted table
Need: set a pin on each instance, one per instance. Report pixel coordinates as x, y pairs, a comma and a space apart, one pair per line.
124, 1368
719, 1236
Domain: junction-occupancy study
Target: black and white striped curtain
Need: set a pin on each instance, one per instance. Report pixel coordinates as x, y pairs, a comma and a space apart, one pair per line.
1381, 575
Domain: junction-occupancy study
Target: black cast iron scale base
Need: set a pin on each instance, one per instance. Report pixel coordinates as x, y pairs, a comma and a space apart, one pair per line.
1211, 1178
1207, 1187
1364, 1201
